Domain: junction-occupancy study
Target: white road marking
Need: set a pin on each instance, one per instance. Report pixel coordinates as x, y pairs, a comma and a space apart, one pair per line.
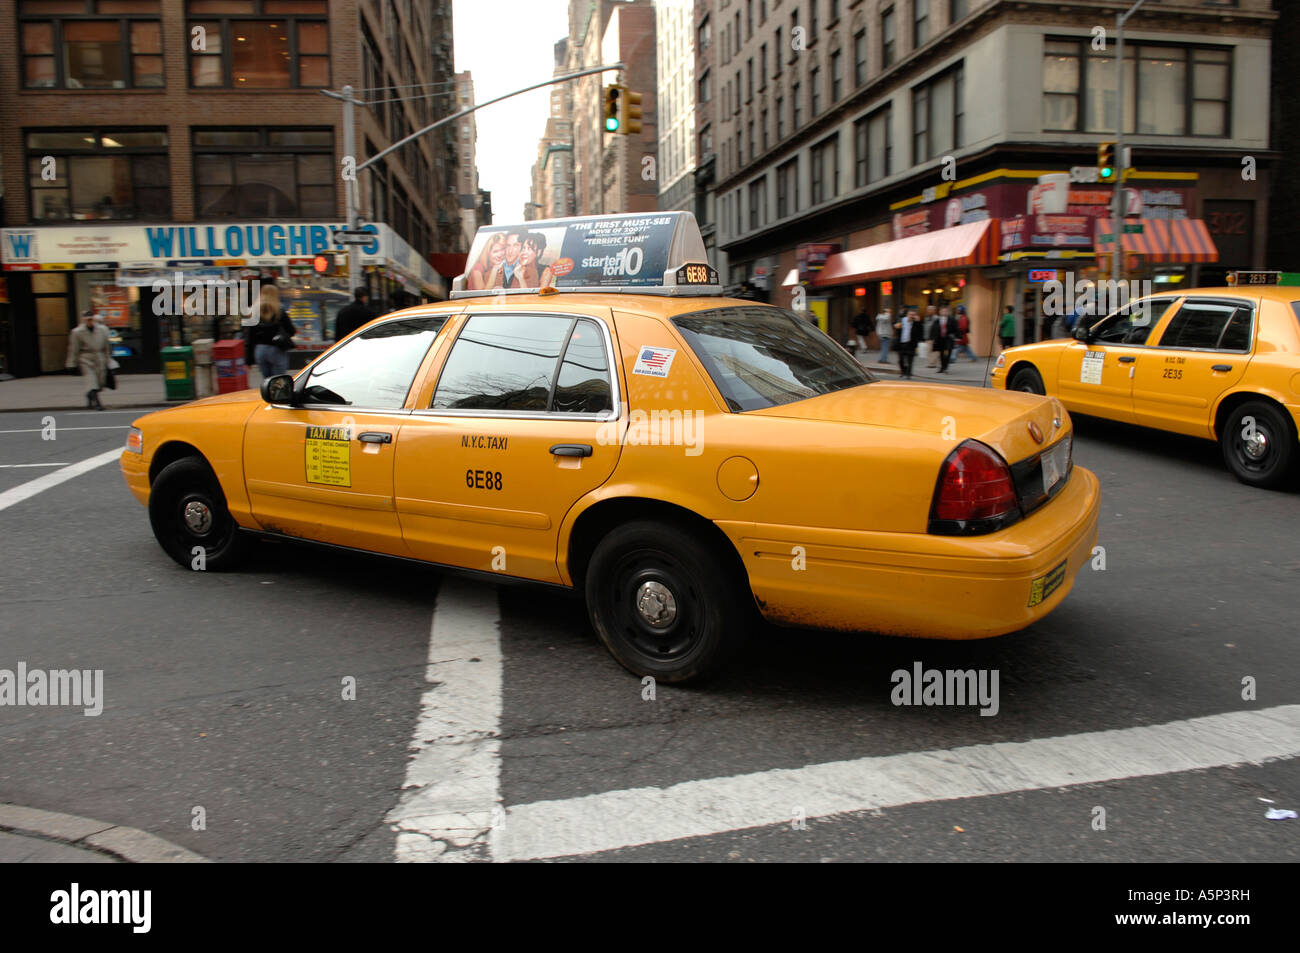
29, 489
452, 795
608, 821
22, 466
39, 429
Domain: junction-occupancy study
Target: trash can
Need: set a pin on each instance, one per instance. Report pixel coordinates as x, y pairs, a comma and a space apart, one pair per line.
178, 372
232, 375
204, 384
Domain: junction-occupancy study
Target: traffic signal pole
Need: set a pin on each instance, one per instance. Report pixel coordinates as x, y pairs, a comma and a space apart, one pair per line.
1117, 272
349, 143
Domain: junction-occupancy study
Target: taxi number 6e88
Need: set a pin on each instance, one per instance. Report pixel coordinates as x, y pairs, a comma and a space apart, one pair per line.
483, 479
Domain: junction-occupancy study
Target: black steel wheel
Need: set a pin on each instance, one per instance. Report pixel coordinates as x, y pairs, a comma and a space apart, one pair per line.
188, 511
1259, 445
1026, 379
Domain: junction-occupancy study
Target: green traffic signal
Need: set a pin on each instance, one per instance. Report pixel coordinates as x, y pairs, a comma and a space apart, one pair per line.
1107, 173
611, 124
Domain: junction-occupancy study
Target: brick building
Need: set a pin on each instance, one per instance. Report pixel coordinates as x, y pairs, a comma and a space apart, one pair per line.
143, 139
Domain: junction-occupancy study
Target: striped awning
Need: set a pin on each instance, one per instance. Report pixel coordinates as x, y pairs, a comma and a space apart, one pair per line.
1180, 240
961, 246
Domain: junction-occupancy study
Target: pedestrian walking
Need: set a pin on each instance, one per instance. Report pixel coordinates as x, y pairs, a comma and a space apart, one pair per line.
90, 353
926, 347
353, 315
941, 334
267, 343
1007, 328
884, 331
961, 341
907, 331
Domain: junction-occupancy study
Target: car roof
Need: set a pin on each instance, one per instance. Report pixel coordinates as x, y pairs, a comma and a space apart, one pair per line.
1284, 293
657, 305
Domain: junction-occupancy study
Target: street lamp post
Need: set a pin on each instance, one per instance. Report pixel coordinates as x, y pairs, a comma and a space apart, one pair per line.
1118, 212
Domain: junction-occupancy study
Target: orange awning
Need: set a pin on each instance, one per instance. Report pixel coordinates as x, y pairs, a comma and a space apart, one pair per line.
961, 246
1160, 240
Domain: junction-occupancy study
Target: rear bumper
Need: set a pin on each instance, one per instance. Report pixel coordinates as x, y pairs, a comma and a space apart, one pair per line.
923, 586
136, 473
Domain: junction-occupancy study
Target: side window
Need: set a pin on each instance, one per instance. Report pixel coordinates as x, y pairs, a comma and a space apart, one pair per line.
541, 363
1132, 323
374, 371
1209, 325
582, 386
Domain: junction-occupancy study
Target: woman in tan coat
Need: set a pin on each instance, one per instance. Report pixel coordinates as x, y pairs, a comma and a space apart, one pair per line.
89, 351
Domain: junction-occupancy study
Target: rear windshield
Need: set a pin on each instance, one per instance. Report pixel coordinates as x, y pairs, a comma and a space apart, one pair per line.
760, 356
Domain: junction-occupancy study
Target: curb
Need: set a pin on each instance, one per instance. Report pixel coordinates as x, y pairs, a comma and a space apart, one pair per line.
107, 407
125, 843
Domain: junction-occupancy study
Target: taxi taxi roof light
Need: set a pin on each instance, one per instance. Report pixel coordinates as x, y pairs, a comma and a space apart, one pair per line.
974, 484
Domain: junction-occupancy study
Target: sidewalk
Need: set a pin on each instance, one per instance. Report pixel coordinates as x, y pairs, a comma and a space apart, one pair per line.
65, 392
32, 836
965, 371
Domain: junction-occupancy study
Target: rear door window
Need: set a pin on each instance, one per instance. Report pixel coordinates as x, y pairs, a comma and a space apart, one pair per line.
1210, 325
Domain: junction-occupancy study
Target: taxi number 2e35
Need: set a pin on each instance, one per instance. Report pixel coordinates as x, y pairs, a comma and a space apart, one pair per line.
483, 479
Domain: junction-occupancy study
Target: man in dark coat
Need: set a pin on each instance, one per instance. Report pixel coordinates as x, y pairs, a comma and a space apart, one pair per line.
354, 315
941, 334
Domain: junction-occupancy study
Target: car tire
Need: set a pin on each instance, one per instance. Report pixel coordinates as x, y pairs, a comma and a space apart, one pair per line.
1026, 379
187, 509
664, 603
1259, 445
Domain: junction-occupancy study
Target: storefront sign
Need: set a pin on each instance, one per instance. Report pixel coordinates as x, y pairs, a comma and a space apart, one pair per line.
811, 258
907, 224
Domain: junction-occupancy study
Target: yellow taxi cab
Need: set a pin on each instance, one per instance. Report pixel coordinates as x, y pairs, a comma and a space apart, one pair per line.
680, 458
1219, 363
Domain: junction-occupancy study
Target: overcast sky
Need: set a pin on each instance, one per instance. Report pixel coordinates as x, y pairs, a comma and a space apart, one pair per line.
507, 44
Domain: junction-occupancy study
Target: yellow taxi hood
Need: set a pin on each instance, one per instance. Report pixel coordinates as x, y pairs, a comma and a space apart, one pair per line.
947, 411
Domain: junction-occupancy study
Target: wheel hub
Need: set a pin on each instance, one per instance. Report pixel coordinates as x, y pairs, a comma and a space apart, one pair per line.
656, 604
198, 517
1255, 445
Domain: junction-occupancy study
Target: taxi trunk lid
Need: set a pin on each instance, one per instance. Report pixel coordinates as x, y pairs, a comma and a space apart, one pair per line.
1000, 419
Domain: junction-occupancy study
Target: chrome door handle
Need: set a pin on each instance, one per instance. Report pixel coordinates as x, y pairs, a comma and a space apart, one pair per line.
1127, 359
1221, 367
373, 436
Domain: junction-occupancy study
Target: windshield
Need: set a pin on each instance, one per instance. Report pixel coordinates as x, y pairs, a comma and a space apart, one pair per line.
760, 356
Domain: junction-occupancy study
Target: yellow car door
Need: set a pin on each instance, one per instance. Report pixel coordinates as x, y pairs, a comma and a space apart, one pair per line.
523, 421
321, 466
1202, 351
1096, 377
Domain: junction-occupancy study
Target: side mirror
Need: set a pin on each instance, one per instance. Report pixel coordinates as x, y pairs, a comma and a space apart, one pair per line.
279, 390
1081, 333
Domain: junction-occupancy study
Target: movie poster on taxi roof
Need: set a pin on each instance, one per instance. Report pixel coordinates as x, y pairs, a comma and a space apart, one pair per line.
601, 252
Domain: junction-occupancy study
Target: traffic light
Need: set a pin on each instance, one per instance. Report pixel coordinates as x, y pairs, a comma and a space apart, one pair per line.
1106, 171
630, 120
612, 107
323, 264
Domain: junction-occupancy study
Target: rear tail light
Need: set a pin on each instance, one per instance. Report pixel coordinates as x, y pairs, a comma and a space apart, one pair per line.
974, 494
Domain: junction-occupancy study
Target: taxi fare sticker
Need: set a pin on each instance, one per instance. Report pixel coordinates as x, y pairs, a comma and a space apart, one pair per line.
654, 361
329, 459
1090, 372
1044, 586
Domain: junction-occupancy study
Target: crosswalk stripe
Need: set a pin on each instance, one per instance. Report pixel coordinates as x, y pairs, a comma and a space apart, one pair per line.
26, 491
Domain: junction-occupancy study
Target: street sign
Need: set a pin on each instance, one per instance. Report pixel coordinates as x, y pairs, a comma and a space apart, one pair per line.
354, 238
1133, 228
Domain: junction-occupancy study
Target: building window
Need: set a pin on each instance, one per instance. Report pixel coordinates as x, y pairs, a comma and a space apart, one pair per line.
837, 76
274, 172
740, 152
1162, 95
860, 58
887, 38
764, 133
749, 143
814, 26
860, 153
99, 174
762, 12
260, 44
736, 108
749, 18
826, 169
795, 120
920, 23
86, 49
755, 204
762, 67
1061, 85
835, 10
705, 34
794, 25
735, 200
787, 188
937, 116
749, 88
780, 119
957, 10
815, 84
776, 54
880, 142
705, 87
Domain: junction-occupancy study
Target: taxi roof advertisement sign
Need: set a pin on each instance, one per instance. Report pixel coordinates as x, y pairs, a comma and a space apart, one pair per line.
603, 253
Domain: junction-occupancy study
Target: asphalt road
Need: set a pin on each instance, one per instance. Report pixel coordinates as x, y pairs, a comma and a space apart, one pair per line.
224, 692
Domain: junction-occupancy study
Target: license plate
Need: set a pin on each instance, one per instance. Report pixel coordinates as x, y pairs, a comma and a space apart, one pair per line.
1054, 463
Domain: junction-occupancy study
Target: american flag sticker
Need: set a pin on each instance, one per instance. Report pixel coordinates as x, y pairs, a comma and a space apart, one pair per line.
654, 361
